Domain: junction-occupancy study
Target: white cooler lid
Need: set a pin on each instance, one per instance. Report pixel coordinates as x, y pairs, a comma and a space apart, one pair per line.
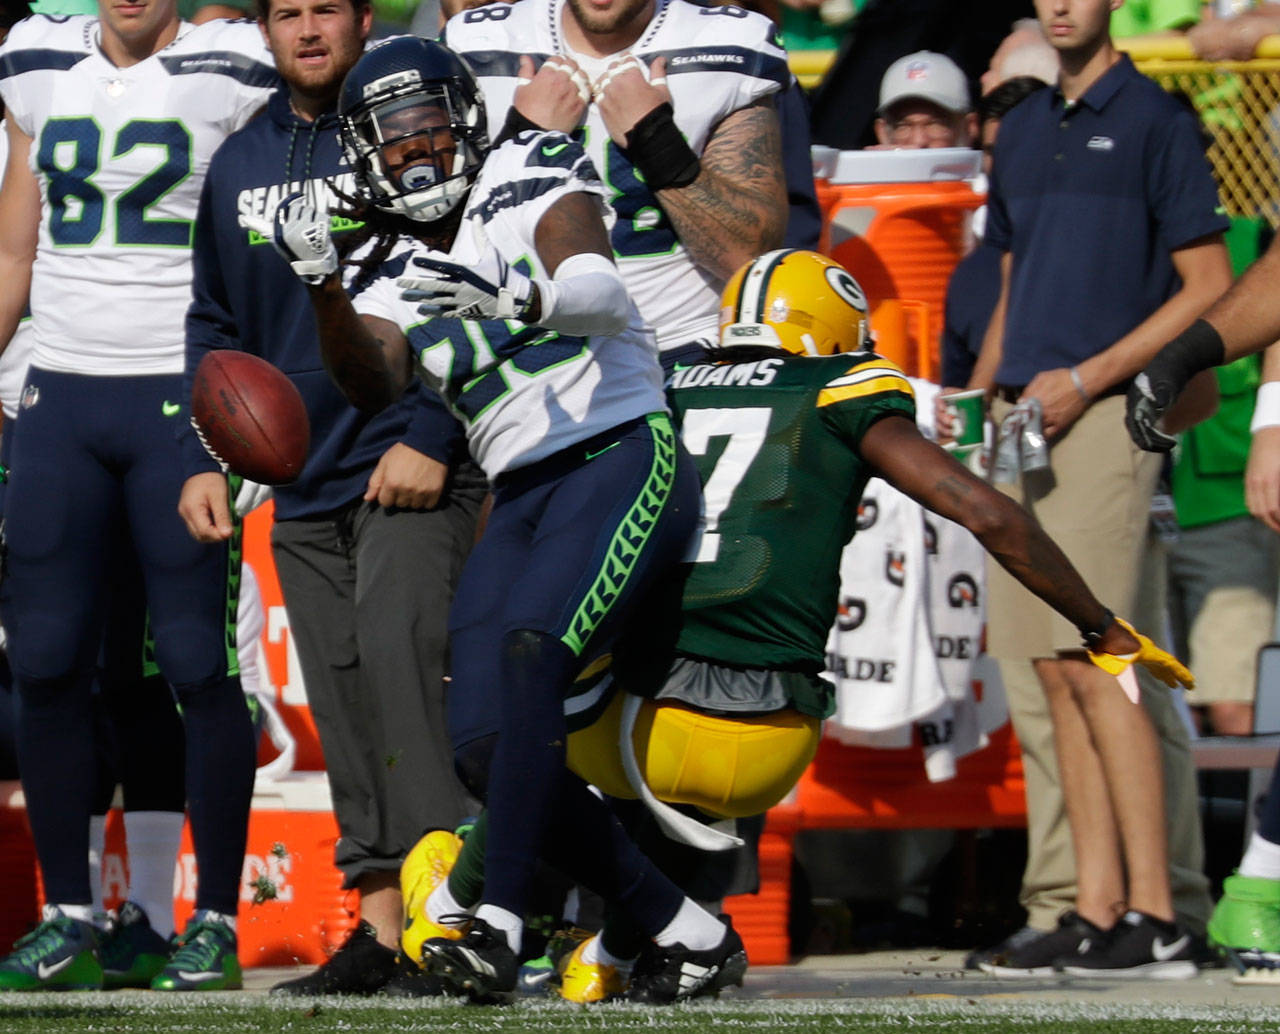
918, 165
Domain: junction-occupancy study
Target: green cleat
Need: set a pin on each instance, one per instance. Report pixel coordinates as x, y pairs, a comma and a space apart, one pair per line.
132, 953
1245, 928
205, 959
61, 954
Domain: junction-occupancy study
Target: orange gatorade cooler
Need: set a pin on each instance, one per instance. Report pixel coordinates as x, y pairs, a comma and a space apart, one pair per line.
899, 222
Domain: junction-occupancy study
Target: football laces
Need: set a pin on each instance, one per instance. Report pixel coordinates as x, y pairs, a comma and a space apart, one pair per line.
209, 448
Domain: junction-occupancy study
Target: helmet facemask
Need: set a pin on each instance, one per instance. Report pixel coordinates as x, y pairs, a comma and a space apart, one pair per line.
416, 147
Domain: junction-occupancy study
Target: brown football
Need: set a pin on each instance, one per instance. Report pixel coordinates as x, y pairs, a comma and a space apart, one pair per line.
250, 417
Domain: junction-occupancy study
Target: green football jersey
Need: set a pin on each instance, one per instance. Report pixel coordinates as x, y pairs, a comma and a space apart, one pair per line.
776, 443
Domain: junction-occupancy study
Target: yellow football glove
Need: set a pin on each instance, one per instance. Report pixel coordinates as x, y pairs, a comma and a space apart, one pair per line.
1164, 666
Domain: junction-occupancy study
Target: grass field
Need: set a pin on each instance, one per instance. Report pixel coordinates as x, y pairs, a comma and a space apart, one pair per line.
127, 1013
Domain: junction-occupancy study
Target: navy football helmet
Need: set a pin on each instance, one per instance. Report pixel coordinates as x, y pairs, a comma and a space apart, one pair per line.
413, 127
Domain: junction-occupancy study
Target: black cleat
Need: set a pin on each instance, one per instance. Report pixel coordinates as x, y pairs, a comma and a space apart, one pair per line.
675, 973
481, 966
411, 981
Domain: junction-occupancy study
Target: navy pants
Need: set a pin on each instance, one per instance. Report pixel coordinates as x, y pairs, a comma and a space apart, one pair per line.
573, 545
96, 464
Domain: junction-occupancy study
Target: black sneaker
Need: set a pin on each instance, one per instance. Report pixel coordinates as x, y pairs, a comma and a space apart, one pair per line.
1138, 945
672, 974
361, 966
481, 966
411, 981
1034, 957
132, 953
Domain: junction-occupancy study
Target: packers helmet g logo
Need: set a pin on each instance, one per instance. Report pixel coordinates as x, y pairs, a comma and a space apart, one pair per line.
798, 301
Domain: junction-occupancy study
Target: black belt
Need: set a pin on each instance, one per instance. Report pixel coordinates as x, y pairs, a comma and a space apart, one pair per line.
1012, 392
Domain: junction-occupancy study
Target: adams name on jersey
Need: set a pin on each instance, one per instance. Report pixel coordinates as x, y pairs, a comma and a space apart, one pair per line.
776, 444
120, 156
522, 392
719, 59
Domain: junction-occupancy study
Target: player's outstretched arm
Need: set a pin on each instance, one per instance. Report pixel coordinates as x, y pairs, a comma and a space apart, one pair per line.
19, 229
367, 357
584, 294
903, 457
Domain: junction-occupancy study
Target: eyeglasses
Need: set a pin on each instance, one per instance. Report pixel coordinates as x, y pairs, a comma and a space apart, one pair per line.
932, 128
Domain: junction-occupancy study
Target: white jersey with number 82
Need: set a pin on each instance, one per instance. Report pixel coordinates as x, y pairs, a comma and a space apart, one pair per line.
120, 155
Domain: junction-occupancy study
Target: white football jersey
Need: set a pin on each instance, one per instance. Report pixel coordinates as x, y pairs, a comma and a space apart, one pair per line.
522, 392
120, 155
719, 59
17, 354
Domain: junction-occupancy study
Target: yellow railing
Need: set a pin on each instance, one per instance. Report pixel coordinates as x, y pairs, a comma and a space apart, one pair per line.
1238, 103
1239, 106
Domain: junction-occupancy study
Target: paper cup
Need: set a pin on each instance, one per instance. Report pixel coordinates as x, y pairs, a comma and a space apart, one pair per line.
968, 409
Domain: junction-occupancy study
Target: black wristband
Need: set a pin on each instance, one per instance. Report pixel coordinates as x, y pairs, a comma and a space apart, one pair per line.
657, 148
1093, 636
515, 125
1197, 348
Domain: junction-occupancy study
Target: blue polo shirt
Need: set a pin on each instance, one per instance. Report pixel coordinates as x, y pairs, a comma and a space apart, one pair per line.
1091, 198
972, 293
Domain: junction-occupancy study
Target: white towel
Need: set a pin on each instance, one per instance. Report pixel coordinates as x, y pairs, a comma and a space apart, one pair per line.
909, 629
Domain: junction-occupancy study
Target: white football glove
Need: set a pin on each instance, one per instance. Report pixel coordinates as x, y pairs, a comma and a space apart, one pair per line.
300, 232
490, 290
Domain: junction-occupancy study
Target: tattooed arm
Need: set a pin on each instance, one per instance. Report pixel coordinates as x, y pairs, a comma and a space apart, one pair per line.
367, 357
737, 207
933, 478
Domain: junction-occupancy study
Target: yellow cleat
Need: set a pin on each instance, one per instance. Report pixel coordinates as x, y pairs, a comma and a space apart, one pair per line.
588, 982
424, 868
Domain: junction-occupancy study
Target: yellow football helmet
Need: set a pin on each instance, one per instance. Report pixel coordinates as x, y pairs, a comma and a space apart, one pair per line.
796, 300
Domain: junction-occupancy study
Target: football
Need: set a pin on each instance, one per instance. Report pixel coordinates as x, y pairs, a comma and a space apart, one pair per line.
250, 417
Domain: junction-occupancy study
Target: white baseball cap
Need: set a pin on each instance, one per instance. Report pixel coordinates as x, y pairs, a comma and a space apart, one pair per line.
926, 76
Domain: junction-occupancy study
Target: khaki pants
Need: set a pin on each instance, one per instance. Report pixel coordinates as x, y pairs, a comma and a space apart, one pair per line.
1094, 503
1049, 880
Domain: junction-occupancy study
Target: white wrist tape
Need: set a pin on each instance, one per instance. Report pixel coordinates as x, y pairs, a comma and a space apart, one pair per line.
1266, 411
585, 296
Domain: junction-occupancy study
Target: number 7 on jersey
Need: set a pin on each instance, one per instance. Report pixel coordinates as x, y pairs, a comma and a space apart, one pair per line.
746, 430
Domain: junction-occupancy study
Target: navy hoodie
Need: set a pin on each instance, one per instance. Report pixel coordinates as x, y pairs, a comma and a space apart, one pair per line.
245, 296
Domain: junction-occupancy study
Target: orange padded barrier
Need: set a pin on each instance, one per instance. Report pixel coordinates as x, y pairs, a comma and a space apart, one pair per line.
866, 788
901, 241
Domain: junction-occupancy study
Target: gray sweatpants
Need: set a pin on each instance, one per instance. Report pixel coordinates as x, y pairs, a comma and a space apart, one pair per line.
367, 591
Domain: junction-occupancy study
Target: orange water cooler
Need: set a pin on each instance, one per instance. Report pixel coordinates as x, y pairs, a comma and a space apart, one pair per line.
899, 222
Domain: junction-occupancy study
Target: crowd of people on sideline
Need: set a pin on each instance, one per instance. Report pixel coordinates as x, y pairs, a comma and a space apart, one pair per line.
591, 420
